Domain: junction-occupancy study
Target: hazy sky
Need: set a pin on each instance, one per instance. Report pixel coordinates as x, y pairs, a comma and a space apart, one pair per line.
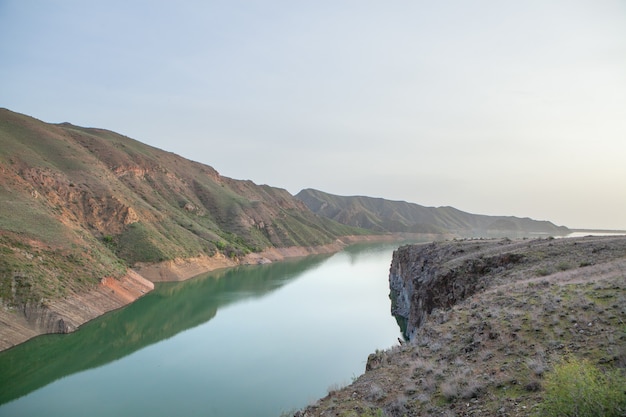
493, 107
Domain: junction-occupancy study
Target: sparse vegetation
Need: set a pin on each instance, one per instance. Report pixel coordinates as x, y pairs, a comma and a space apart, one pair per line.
496, 352
369, 413
30, 274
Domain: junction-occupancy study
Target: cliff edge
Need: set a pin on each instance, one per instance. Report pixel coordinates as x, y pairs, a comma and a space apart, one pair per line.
486, 321
439, 275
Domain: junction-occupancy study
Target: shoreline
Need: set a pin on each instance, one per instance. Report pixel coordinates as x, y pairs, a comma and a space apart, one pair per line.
66, 315
488, 320
182, 269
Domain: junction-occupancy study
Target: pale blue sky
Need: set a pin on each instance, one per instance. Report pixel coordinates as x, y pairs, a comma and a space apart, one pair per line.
493, 107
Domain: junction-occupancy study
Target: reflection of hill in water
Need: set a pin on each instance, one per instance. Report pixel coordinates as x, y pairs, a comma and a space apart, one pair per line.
159, 315
358, 251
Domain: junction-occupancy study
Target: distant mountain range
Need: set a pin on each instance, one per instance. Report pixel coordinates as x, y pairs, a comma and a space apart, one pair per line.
79, 204
382, 215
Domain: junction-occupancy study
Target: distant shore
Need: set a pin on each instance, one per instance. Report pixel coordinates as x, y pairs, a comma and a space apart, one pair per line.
183, 269
595, 232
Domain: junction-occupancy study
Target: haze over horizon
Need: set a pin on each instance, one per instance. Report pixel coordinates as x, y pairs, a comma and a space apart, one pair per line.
498, 108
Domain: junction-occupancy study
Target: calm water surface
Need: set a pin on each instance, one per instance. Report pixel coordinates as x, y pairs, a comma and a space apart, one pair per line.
250, 341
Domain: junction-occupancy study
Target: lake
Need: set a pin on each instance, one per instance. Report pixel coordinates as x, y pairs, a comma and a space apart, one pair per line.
248, 341
595, 233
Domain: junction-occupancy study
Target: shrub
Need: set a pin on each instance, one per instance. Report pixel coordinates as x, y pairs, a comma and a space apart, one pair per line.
577, 388
563, 266
542, 272
370, 413
461, 385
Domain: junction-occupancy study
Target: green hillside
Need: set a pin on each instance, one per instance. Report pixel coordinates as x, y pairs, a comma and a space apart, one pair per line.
78, 204
382, 215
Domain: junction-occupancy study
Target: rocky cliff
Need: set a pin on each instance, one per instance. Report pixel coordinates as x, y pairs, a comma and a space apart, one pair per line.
423, 278
487, 320
439, 275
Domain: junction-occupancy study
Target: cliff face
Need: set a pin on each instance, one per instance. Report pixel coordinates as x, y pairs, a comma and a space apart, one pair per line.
426, 277
423, 278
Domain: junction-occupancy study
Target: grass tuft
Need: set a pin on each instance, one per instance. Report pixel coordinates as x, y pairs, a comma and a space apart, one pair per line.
575, 387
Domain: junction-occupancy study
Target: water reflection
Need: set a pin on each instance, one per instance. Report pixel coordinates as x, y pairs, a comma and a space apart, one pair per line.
161, 314
586, 233
359, 251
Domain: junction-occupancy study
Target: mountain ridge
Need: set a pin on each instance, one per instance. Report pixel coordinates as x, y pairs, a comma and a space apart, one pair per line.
381, 215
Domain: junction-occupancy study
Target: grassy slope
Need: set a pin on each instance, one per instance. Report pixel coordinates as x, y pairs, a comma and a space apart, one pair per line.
399, 216
78, 204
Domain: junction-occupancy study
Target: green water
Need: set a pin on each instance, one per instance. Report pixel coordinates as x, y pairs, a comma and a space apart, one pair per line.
249, 341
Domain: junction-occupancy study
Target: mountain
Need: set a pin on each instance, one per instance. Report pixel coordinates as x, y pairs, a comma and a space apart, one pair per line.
382, 215
81, 204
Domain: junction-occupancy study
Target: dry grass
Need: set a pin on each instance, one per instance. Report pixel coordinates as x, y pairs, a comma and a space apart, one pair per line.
489, 354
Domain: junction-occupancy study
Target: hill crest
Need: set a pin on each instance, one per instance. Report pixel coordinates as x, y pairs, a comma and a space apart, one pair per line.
380, 215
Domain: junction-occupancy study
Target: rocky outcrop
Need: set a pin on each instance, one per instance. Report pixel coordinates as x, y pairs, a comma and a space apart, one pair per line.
439, 275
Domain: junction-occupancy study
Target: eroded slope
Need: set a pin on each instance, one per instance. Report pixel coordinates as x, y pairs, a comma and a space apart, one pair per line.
79, 206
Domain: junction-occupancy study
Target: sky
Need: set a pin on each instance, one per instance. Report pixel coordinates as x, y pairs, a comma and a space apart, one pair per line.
493, 107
